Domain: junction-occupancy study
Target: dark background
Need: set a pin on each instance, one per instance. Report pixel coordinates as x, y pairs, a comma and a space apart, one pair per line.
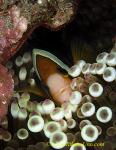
94, 24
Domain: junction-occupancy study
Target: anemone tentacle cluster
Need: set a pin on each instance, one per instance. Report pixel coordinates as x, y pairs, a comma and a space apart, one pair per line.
80, 119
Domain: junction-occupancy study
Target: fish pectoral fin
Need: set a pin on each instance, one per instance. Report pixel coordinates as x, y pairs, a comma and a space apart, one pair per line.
34, 90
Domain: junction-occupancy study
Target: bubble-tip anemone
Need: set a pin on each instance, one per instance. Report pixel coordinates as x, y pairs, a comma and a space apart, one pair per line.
89, 133
35, 123
58, 140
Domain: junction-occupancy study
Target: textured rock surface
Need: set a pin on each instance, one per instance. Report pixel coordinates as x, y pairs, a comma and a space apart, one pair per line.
6, 90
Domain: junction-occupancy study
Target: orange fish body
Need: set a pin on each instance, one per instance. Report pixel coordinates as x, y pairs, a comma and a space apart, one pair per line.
58, 84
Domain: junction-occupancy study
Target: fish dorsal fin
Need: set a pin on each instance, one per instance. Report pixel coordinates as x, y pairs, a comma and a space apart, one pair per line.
47, 57
82, 50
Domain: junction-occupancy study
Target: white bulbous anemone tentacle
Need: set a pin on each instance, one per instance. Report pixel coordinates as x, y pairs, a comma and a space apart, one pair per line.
61, 119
